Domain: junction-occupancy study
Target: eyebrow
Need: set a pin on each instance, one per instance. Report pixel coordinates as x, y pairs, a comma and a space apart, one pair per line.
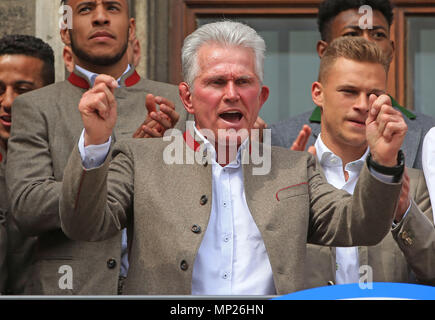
377, 92
358, 28
20, 82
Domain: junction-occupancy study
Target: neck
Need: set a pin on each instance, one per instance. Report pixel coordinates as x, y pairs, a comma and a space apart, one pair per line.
347, 153
226, 154
4, 144
115, 71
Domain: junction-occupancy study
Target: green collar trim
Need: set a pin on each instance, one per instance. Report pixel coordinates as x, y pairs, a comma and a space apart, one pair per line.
316, 116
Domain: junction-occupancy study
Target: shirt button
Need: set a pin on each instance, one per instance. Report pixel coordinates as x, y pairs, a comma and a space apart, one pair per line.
227, 238
184, 265
203, 200
111, 263
196, 229
226, 275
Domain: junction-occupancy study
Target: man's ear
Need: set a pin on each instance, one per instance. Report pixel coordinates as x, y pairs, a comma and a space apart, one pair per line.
132, 30
186, 97
317, 94
65, 36
321, 47
264, 95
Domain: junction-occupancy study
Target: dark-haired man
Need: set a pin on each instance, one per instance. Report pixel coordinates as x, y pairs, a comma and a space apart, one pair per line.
26, 64
338, 18
48, 127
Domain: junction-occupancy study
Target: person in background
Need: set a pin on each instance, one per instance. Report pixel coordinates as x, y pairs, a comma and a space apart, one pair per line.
26, 64
47, 125
338, 18
429, 162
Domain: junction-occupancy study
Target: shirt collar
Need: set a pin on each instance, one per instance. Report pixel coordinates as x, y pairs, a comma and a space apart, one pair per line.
327, 158
92, 76
210, 147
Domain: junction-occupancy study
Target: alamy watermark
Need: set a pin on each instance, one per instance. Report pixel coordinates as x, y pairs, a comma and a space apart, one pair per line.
182, 149
66, 19
366, 20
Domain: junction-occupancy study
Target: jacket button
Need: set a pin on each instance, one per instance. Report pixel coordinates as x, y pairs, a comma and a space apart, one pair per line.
184, 266
196, 228
203, 200
331, 283
407, 238
111, 263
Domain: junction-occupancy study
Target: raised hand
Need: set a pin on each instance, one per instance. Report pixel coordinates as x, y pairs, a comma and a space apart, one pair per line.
301, 141
98, 110
385, 130
157, 122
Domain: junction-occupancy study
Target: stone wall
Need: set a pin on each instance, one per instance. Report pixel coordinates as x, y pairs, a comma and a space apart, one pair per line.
17, 16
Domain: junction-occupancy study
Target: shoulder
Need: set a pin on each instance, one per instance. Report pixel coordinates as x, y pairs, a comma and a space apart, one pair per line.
49, 94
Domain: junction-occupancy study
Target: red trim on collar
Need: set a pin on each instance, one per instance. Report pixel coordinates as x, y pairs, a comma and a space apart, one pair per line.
77, 81
192, 143
1, 157
82, 83
132, 80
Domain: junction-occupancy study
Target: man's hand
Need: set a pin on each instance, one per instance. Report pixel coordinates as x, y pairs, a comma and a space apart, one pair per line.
157, 122
260, 125
301, 141
385, 130
98, 110
404, 200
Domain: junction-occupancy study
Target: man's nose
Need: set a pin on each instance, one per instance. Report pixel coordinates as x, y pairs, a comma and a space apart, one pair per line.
7, 99
363, 102
100, 16
231, 93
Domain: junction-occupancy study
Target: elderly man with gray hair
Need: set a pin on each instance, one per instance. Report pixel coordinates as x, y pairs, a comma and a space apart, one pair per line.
214, 227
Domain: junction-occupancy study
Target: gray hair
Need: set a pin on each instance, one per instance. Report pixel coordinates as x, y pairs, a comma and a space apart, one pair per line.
225, 33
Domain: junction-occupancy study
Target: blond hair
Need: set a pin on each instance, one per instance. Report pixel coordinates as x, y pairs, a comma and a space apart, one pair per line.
353, 48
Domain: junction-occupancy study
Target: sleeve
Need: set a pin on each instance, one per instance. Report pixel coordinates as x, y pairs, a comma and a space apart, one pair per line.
429, 162
340, 220
96, 203
29, 170
94, 155
415, 235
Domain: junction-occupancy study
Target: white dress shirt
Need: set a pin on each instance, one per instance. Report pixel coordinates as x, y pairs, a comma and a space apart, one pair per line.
232, 258
347, 259
429, 163
96, 154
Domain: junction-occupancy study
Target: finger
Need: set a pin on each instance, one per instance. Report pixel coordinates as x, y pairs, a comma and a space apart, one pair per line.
171, 113
163, 121
312, 150
109, 96
152, 133
161, 100
302, 139
150, 103
109, 81
394, 128
373, 112
260, 124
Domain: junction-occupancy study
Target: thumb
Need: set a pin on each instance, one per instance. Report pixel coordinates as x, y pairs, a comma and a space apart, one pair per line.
150, 103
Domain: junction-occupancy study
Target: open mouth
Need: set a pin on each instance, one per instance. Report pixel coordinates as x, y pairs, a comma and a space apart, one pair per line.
231, 116
6, 120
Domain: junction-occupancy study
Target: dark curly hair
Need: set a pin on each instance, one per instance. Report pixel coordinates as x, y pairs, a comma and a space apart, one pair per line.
32, 47
329, 9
